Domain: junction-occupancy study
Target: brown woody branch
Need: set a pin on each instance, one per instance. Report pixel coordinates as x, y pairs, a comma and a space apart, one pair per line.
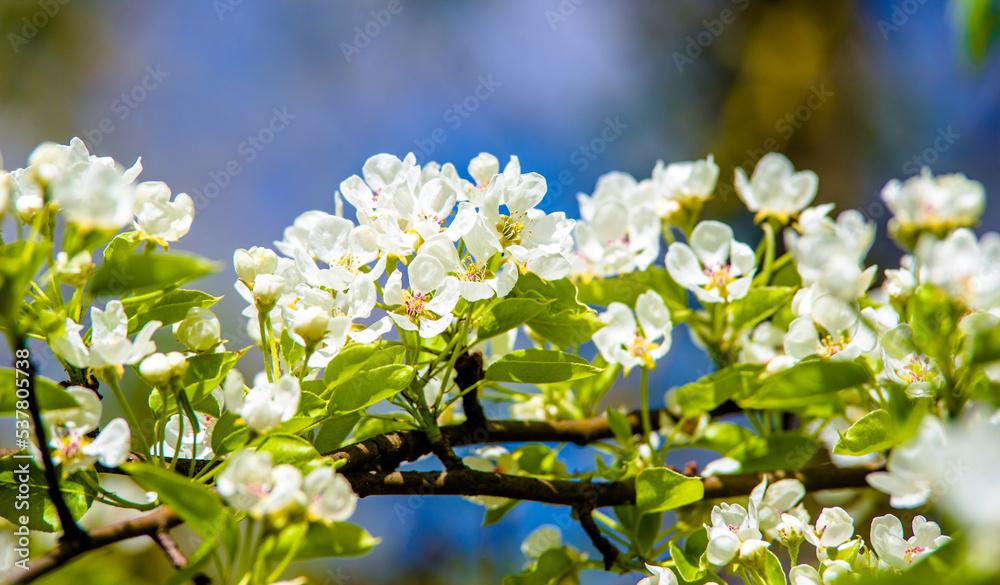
466, 482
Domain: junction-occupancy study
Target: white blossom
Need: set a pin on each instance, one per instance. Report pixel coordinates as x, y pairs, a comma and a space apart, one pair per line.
775, 189
624, 341
937, 204
266, 405
157, 216
899, 553
715, 266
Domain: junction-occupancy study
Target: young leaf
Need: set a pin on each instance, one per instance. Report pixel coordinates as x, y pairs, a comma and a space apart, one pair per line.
290, 449
367, 388
716, 388
660, 489
507, 314
196, 504
51, 396
778, 451
759, 304
168, 308
539, 366
872, 432
145, 272
340, 539
807, 382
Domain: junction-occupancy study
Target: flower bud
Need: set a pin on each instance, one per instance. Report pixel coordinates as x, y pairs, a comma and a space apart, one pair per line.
75, 270
791, 530
312, 324
254, 262
156, 369
753, 553
162, 369
267, 289
200, 330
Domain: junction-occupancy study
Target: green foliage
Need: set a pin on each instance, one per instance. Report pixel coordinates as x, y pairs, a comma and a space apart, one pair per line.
539, 366
660, 489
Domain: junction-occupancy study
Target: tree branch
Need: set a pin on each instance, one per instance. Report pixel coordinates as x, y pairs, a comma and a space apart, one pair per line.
176, 557
468, 373
467, 482
158, 520
601, 543
73, 535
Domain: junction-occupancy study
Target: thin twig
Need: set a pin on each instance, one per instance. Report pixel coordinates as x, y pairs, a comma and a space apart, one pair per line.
602, 544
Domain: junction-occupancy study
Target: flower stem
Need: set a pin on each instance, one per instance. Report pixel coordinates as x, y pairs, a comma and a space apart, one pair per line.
112, 380
647, 426
768, 253
262, 321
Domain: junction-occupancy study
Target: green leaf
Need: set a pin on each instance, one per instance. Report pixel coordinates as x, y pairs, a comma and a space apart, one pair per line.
230, 433
318, 541
647, 531
145, 272
357, 357
759, 304
334, 432
626, 288
807, 382
539, 460
716, 388
196, 504
660, 489
121, 247
566, 321
935, 320
772, 570
722, 437
551, 566
367, 388
494, 515
207, 371
689, 567
591, 389
40, 511
290, 449
16, 271
169, 308
778, 451
620, 427
51, 396
874, 431
507, 314
539, 366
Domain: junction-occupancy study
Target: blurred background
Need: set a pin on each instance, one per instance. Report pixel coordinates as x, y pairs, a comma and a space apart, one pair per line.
260, 110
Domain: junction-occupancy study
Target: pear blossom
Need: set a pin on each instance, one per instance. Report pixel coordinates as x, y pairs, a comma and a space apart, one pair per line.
426, 306
935, 204
252, 483
899, 553
96, 194
618, 231
904, 365
659, 576
538, 241
775, 500
831, 254
832, 329
623, 341
834, 527
775, 189
68, 429
715, 267
679, 190
266, 405
765, 346
329, 495
194, 444
967, 269
734, 533
804, 575
476, 281
109, 343
913, 468
158, 217
268, 289
902, 282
